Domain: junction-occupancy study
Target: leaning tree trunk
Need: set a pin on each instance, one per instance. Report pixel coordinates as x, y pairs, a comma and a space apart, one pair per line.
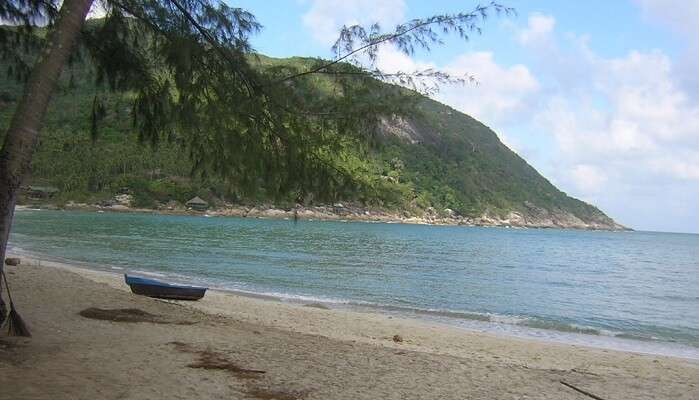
23, 133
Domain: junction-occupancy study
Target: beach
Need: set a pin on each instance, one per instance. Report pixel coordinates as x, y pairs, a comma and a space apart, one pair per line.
231, 346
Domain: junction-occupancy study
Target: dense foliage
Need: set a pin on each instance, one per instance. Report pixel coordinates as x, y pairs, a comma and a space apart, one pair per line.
454, 162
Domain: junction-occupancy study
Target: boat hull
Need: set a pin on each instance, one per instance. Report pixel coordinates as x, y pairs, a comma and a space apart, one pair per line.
162, 290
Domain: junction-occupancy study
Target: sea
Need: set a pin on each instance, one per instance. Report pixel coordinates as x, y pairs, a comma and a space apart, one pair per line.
630, 291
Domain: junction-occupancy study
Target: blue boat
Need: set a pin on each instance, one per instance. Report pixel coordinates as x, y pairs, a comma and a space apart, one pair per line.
154, 288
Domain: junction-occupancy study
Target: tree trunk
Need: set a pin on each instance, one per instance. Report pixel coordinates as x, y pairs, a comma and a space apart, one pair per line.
23, 133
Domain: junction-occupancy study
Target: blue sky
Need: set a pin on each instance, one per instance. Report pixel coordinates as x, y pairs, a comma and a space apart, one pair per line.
600, 96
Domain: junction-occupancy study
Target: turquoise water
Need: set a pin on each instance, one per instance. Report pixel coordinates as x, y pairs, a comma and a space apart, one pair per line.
627, 290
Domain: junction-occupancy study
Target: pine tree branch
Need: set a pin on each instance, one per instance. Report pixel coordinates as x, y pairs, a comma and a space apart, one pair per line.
214, 43
480, 10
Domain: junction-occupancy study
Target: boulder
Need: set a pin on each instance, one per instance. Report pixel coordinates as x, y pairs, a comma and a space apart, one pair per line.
124, 199
14, 261
273, 213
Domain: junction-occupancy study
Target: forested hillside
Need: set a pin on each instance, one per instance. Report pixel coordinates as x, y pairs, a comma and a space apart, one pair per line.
436, 158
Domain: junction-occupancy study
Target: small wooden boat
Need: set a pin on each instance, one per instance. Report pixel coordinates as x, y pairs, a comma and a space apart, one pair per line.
154, 288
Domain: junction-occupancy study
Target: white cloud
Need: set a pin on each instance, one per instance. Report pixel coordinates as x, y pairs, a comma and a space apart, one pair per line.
325, 17
686, 167
538, 29
681, 17
501, 93
589, 178
645, 113
391, 60
626, 129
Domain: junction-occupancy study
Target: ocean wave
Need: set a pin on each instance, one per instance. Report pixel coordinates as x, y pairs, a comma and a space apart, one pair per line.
561, 327
149, 273
293, 298
508, 319
500, 319
446, 313
451, 316
639, 337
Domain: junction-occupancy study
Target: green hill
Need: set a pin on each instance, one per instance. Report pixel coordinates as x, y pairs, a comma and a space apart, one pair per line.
437, 161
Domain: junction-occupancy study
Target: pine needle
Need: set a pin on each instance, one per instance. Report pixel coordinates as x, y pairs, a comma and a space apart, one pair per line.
15, 324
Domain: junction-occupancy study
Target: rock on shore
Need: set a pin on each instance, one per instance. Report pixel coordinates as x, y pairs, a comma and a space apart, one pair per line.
536, 218
533, 217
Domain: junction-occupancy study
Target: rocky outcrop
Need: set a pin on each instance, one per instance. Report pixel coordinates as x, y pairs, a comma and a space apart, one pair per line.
534, 218
530, 216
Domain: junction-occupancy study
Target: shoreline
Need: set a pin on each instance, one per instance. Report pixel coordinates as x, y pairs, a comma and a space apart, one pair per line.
342, 213
203, 349
475, 326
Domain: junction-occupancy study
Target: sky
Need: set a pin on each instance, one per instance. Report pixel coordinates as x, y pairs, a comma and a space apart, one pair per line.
601, 97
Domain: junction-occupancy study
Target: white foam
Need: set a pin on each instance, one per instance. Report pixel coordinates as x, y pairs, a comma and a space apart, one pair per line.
507, 319
294, 298
149, 273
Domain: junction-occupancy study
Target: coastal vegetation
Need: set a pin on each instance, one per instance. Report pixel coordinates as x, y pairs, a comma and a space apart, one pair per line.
435, 157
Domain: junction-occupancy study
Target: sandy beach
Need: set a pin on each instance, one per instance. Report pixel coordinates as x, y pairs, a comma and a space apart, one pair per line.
236, 347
